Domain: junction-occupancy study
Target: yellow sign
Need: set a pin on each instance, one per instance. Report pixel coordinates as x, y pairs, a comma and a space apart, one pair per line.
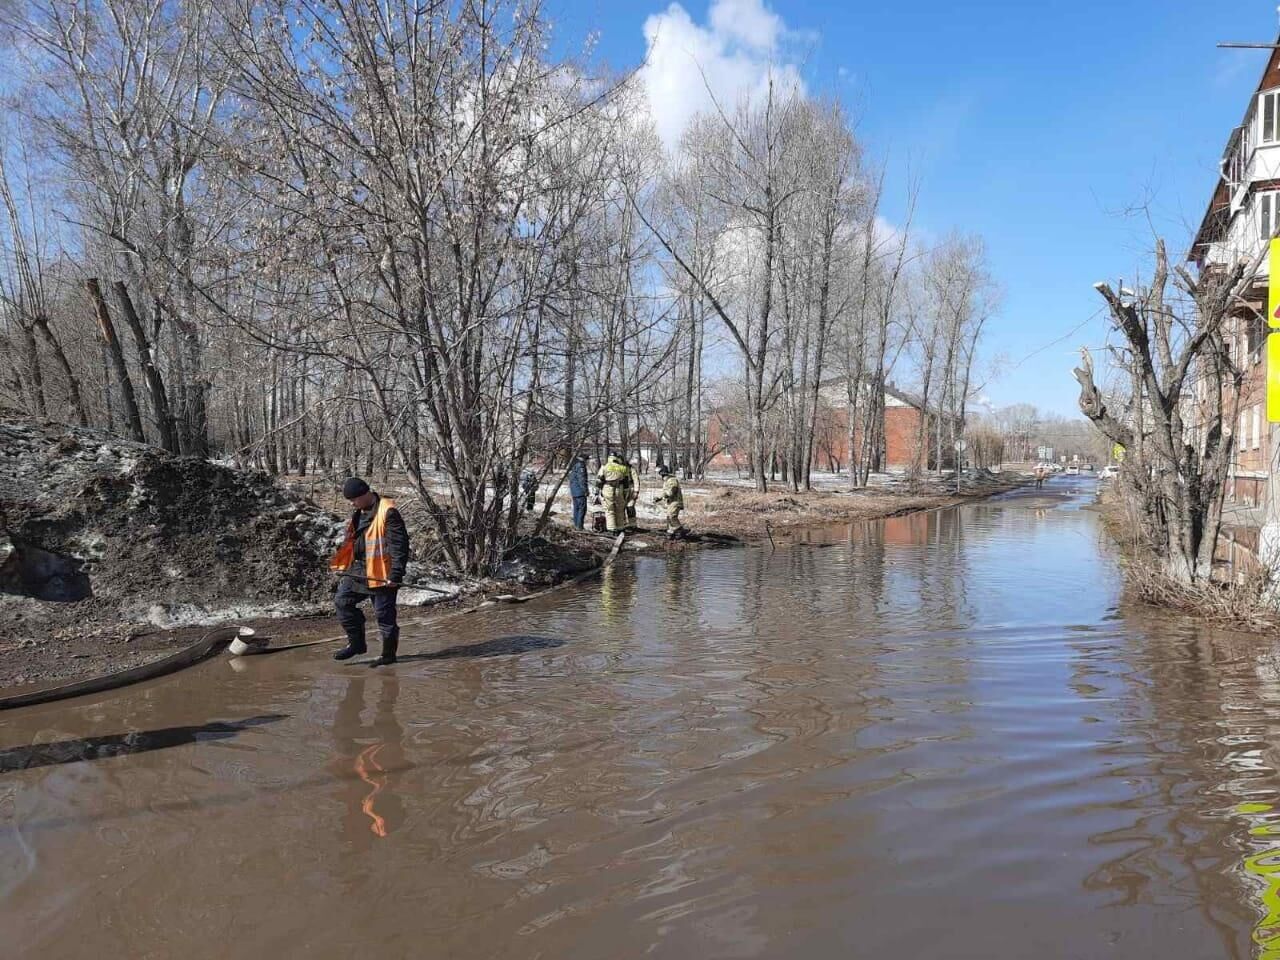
1117, 453
1273, 378
1273, 285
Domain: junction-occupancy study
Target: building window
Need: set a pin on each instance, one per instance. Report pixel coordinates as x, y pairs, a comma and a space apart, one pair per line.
1244, 431
1254, 333
1257, 432
1264, 205
1271, 117
1238, 156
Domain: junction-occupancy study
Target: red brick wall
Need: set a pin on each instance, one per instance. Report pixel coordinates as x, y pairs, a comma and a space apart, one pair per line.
901, 436
901, 424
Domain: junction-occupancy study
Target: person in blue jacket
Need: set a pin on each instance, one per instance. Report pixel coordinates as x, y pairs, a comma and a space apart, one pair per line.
578, 489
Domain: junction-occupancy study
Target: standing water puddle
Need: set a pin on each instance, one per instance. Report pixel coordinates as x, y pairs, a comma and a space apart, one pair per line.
931, 736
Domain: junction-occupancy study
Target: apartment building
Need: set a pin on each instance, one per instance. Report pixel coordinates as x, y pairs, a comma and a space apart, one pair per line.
1242, 216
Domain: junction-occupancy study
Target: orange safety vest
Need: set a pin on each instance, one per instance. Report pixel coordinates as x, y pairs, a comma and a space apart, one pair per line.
377, 564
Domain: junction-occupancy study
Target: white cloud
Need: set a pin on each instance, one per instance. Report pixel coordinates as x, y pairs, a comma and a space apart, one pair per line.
730, 57
886, 233
746, 21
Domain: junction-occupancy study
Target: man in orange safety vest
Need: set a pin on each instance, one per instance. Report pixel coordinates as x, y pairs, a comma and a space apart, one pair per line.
372, 562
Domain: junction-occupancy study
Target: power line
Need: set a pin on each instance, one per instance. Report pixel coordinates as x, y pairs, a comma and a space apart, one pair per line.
1066, 336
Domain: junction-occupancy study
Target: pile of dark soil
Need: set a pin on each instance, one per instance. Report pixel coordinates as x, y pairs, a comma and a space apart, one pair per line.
537, 561
99, 535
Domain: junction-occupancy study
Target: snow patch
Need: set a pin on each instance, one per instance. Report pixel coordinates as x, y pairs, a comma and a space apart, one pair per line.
177, 615
435, 591
89, 546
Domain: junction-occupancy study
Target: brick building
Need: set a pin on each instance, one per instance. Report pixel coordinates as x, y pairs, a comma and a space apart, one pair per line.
1243, 214
904, 416
904, 413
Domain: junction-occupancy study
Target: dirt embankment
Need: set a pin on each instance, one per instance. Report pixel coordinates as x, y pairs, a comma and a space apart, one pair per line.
107, 546
114, 553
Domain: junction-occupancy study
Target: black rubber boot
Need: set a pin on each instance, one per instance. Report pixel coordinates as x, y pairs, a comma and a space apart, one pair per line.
389, 646
353, 649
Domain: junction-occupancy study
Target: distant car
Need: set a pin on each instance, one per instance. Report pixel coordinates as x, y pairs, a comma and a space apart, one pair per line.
1073, 471
1087, 468
1109, 471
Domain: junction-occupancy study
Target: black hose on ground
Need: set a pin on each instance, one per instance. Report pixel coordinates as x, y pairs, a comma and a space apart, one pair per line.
205, 647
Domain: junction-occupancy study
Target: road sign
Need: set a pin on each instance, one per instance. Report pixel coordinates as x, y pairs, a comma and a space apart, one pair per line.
1117, 453
1273, 285
961, 446
1273, 339
1273, 378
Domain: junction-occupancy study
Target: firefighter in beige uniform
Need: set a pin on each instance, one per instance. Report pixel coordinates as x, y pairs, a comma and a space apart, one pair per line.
633, 493
612, 488
674, 499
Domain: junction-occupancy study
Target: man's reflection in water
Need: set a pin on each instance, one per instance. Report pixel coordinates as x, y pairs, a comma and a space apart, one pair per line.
678, 580
368, 758
616, 596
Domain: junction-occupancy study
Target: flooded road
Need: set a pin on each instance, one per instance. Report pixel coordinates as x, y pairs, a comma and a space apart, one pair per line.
932, 736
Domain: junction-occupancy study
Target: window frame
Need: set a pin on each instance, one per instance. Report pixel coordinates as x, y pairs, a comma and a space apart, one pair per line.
1255, 334
1269, 110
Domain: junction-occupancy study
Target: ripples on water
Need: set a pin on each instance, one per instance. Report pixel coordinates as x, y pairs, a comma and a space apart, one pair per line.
935, 736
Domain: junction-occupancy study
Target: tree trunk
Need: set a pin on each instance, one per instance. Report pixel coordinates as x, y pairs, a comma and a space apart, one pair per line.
34, 375
73, 382
107, 398
146, 358
117, 358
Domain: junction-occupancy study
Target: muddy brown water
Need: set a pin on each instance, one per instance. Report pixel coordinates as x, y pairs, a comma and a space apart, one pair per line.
933, 736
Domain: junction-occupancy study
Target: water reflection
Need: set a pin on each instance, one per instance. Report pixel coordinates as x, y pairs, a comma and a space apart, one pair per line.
617, 596
368, 759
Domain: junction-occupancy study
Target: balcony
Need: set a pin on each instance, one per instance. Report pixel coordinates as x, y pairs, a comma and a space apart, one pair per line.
1224, 253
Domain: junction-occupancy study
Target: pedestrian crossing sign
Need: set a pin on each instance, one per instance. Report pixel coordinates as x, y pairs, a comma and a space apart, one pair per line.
1273, 285
1273, 378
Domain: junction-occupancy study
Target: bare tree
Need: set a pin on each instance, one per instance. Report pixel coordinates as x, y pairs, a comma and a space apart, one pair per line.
1179, 363
744, 157
25, 296
128, 95
871, 343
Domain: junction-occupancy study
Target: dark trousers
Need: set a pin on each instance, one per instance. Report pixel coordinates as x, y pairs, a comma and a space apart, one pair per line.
347, 604
579, 512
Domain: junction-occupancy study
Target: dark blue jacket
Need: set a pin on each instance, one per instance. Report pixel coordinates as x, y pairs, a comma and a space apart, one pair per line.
578, 479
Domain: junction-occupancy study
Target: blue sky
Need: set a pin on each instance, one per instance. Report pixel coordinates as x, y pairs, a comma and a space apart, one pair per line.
1039, 125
